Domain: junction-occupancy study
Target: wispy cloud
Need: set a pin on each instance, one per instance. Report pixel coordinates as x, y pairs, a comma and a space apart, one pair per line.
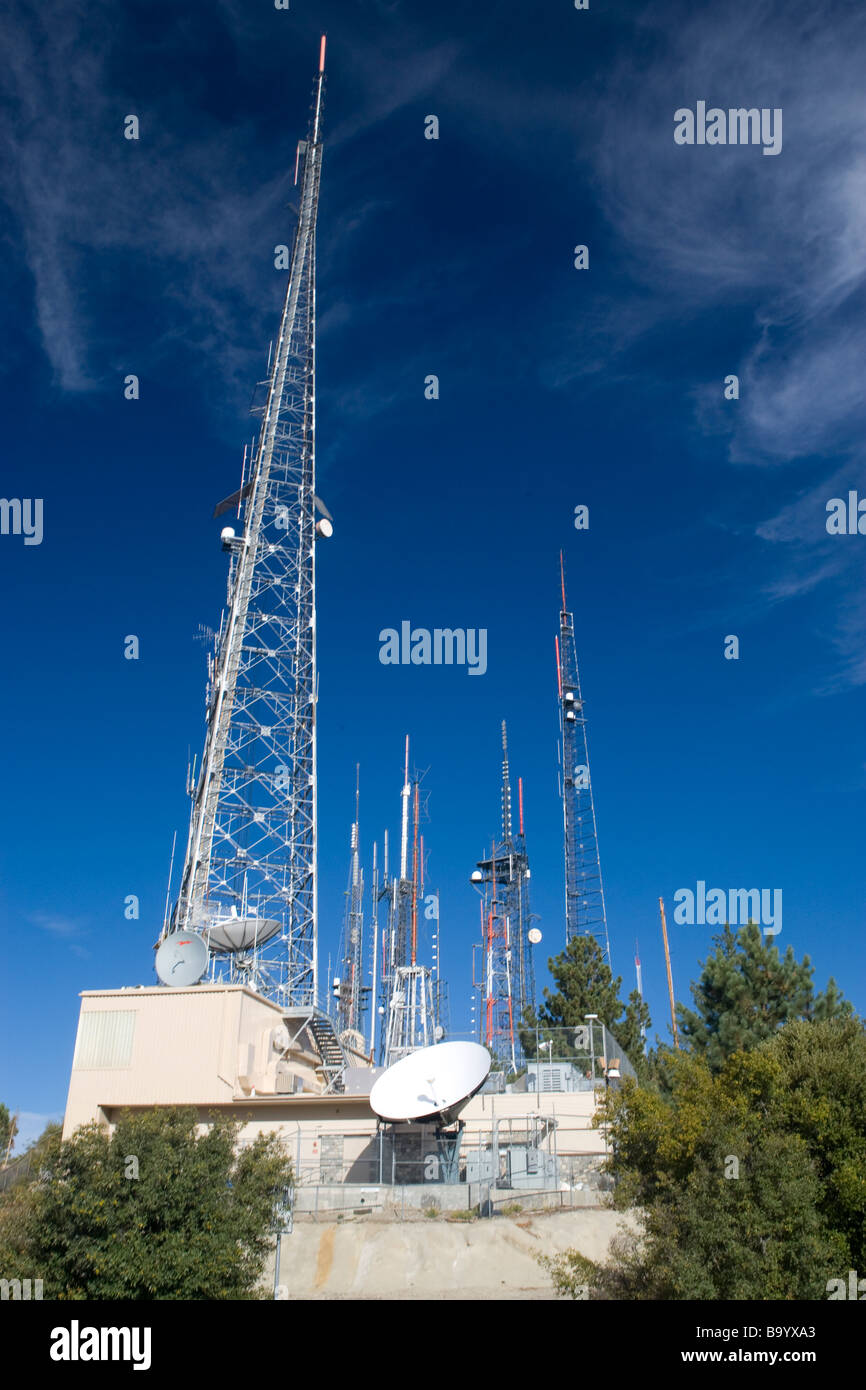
187, 216
31, 1124
176, 214
56, 924
784, 238
69, 930
781, 241
690, 233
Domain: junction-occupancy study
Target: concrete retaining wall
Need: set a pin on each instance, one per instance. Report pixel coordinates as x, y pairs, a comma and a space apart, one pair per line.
436, 1258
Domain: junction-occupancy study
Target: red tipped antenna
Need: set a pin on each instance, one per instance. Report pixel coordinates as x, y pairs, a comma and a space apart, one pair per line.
322, 55
415, 883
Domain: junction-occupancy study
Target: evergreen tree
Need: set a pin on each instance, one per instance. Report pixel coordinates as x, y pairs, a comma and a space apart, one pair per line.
5, 1127
584, 984
746, 992
747, 1182
630, 1033
832, 1004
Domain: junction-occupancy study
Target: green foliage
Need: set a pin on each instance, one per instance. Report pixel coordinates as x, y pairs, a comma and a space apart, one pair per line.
750, 1180
746, 992
584, 985
5, 1127
193, 1224
46, 1144
573, 1274
630, 1034
832, 1004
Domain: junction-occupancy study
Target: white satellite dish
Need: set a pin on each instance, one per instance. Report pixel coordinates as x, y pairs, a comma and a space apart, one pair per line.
181, 958
534, 935
241, 933
433, 1083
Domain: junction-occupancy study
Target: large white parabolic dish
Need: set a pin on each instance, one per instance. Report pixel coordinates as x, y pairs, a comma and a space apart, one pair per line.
433, 1083
240, 933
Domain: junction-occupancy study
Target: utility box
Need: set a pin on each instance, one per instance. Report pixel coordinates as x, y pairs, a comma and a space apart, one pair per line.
530, 1167
479, 1166
554, 1078
359, 1081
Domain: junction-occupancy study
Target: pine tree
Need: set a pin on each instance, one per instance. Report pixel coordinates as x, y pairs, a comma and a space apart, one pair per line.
584, 985
630, 1033
746, 992
832, 1004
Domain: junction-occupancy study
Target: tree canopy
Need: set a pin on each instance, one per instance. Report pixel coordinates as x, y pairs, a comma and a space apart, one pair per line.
746, 992
584, 984
154, 1210
750, 1180
5, 1129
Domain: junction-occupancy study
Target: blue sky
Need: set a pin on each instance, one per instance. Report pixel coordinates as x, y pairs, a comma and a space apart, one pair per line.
558, 387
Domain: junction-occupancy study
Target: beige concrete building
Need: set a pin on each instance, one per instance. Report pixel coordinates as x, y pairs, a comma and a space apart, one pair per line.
224, 1049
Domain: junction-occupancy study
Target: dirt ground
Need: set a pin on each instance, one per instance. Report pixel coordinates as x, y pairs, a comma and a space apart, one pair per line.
436, 1259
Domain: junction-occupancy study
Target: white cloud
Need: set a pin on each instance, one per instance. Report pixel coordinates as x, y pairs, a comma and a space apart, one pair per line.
55, 923
31, 1124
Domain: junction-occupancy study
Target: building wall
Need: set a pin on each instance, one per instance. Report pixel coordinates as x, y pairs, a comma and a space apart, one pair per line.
163, 1047
202, 1046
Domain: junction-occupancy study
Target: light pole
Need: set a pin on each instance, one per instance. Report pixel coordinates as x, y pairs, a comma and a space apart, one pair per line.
590, 1019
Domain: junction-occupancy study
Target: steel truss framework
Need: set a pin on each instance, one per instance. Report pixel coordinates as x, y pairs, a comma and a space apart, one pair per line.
584, 891
508, 983
411, 1018
353, 993
412, 1003
252, 838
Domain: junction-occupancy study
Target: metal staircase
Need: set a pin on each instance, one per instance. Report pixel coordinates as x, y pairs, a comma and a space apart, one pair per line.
329, 1049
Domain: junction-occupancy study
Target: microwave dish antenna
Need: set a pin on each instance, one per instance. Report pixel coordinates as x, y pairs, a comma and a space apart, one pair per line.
432, 1084
181, 959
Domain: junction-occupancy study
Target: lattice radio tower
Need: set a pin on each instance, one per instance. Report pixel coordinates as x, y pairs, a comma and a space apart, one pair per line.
407, 986
249, 879
508, 973
353, 991
584, 892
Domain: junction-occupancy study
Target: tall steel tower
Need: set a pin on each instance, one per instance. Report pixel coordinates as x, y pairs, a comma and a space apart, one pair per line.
353, 992
249, 876
508, 974
584, 892
407, 987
